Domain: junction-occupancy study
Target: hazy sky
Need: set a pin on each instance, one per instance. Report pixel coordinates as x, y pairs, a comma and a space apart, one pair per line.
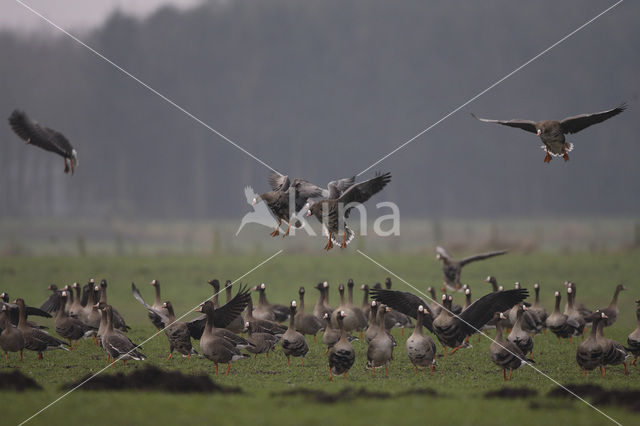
75, 14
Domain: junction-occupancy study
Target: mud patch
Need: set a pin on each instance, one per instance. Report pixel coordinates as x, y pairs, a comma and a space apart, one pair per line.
153, 379
16, 381
629, 399
512, 393
349, 394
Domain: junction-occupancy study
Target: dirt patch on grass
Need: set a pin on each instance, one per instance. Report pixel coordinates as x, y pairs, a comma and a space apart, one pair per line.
512, 393
598, 395
153, 379
16, 381
349, 394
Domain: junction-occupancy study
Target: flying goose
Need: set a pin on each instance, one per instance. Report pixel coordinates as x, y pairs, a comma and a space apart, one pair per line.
452, 269
342, 355
293, 343
421, 349
44, 137
552, 132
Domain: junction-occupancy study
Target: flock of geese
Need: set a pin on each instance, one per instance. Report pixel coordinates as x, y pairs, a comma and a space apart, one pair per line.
234, 330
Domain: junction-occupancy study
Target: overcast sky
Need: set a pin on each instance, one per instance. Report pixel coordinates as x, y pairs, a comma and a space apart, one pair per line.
75, 14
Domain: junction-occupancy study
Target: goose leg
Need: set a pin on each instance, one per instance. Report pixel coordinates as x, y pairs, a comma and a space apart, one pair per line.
226, 373
564, 154
303, 361
288, 360
330, 374
626, 370
288, 228
21, 356
634, 360
504, 375
373, 370
603, 371
216, 368
455, 349
70, 344
344, 376
40, 355
169, 357
267, 354
329, 245
402, 331
431, 368
66, 166
547, 157
386, 370
124, 361
326, 350
444, 348
344, 241
584, 372
277, 231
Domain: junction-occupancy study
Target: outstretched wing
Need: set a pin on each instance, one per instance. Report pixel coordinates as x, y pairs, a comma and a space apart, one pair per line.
528, 125
304, 191
483, 309
40, 136
279, 182
361, 192
443, 253
404, 302
579, 122
249, 194
481, 256
222, 316
158, 318
337, 187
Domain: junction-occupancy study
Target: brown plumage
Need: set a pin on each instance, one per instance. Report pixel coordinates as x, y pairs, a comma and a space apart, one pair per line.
293, 343
11, 337
421, 349
306, 323
177, 333
589, 354
452, 268
35, 339
70, 328
504, 353
341, 355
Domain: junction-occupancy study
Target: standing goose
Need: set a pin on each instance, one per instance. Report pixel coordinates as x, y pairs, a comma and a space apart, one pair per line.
574, 317
452, 330
613, 352
351, 322
612, 310
213, 345
365, 307
222, 317
552, 132
589, 354
322, 305
432, 304
35, 339
116, 344
504, 353
585, 312
12, 311
330, 335
177, 333
70, 328
260, 325
76, 306
237, 325
262, 343
118, 320
359, 314
452, 269
306, 323
51, 305
421, 349
539, 312
89, 314
557, 321
215, 283
518, 335
467, 298
634, 338
269, 311
293, 343
380, 350
372, 329
157, 314
342, 355
11, 337
395, 318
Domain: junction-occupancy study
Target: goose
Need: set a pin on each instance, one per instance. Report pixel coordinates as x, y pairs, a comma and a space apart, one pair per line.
433, 306
322, 305
452, 269
452, 330
222, 317
365, 307
330, 335
557, 321
293, 343
213, 345
262, 343
12, 311
585, 312
177, 333
589, 354
216, 291
633, 340
269, 311
116, 344
574, 317
467, 298
613, 352
372, 329
505, 354
342, 355
157, 314
76, 306
35, 339
260, 325
11, 337
306, 323
528, 323
380, 350
395, 318
518, 335
421, 349
612, 310
359, 314
539, 312
118, 320
51, 305
351, 321
70, 328
237, 325
551, 132
89, 314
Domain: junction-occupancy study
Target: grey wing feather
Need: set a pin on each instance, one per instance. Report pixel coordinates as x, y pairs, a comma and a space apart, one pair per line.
278, 182
443, 253
337, 187
527, 125
361, 192
40, 136
582, 121
481, 256
156, 317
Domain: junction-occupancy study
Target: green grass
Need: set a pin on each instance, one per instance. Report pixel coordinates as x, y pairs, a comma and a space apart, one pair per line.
460, 380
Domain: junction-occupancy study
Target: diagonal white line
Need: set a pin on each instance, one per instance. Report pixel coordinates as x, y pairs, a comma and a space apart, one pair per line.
148, 339
492, 86
492, 340
142, 83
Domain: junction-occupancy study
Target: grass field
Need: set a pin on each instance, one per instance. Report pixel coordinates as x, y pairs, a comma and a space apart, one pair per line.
460, 381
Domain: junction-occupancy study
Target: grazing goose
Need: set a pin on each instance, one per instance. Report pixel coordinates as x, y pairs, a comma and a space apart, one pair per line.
557, 321
262, 343
70, 328
518, 335
612, 310
552, 132
452, 330
118, 320
613, 352
293, 343
306, 323
634, 338
421, 349
213, 345
51, 305
574, 317
322, 305
331, 212
269, 311
237, 325
44, 137
351, 322
452, 269
342, 355
590, 353
380, 350
262, 326
177, 333
359, 314
11, 337
539, 312
35, 339
505, 354
116, 344
12, 311
222, 317
157, 314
